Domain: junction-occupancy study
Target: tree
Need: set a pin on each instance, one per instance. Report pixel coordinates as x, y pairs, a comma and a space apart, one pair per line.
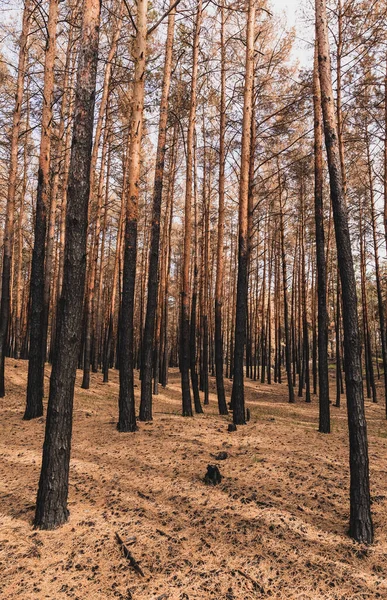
127, 417
360, 527
150, 318
38, 338
10, 206
237, 398
51, 504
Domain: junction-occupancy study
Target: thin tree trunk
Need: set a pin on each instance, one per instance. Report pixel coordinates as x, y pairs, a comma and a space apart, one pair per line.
127, 417
185, 293
221, 218
38, 340
238, 397
288, 357
322, 317
10, 207
150, 318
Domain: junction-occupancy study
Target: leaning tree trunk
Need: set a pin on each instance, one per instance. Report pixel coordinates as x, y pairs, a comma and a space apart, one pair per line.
10, 207
151, 308
238, 397
127, 417
51, 505
361, 528
322, 317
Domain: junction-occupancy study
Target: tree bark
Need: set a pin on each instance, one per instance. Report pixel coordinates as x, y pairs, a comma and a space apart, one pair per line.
127, 417
361, 528
238, 397
322, 316
10, 207
185, 292
220, 239
151, 308
51, 505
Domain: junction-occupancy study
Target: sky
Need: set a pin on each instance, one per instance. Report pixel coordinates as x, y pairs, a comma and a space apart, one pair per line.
293, 10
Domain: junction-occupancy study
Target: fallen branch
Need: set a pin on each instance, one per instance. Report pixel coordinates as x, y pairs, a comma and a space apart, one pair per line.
132, 561
256, 585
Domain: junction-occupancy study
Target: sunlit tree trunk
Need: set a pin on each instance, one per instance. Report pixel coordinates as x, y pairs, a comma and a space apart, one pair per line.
10, 206
127, 417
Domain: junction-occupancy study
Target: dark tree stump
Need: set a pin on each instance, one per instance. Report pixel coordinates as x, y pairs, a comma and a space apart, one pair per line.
231, 427
213, 476
248, 414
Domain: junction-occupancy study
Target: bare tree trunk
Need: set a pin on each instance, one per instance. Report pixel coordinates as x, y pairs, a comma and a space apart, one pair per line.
322, 318
361, 528
150, 318
220, 241
238, 397
19, 282
185, 292
288, 357
51, 504
10, 207
382, 322
127, 417
37, 355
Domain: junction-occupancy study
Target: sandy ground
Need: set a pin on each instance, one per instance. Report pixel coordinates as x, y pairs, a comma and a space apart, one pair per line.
274, 528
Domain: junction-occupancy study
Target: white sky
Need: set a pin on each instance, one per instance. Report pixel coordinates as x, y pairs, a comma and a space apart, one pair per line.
294, 11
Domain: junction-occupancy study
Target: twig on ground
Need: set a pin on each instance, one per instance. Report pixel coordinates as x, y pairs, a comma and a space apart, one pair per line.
132, 561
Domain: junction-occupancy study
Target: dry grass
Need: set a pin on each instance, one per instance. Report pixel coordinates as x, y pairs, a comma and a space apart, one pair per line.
275, 527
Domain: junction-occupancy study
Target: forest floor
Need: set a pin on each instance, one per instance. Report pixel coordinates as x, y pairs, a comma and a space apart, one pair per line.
275, 526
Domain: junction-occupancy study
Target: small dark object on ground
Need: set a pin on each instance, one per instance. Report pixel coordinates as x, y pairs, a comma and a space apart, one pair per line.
132, 561
231, 427
220, 456
248, 414
213, 476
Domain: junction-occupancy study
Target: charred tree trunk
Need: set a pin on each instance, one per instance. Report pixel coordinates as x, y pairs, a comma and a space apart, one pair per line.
51, 504
322, 317
361, 528
150, 318
127, 417
238, 397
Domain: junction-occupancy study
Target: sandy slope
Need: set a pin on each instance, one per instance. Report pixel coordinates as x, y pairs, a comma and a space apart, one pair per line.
274, 528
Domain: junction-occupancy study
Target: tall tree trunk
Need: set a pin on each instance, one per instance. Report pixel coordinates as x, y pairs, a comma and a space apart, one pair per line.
238, 397
382, 321
127, 417
220, 240
19, 282
51, 505
37, 355
322, 317
151, 308
185, 292
288, 358
361, 528
10, 207
102, 114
